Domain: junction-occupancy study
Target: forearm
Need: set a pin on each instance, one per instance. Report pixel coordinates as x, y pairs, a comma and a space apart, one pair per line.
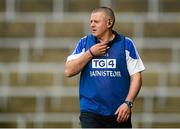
135, 86
75, 66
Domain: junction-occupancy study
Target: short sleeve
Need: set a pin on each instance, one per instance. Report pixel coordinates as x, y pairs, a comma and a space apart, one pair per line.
79, 49
134, 62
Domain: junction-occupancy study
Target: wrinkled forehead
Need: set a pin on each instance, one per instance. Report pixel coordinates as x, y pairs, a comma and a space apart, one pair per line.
99, 15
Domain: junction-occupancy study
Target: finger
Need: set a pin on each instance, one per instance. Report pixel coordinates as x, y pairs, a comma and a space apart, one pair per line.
118, 117
116, 112
123, 115
103, 46
125, 118
105, 42
103, 53
103, 50
122, 119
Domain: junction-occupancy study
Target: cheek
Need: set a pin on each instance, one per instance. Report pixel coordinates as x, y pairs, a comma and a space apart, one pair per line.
102, 26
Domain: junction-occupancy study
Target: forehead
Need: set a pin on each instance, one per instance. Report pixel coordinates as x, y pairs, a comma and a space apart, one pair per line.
98, 15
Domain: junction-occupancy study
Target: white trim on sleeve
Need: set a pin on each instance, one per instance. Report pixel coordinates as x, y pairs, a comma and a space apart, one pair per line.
134, 65
75, 56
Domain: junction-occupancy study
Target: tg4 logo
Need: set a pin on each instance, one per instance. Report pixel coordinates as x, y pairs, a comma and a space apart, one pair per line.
104, 63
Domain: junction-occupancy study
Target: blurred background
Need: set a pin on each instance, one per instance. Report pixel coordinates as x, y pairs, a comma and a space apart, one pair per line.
36, 36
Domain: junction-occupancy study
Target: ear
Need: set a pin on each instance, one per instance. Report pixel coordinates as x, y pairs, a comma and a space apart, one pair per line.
109, 23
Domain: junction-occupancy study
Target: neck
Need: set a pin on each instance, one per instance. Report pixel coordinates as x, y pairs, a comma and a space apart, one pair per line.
108, 36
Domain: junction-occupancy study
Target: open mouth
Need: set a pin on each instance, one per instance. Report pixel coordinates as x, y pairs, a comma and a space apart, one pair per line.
93, 30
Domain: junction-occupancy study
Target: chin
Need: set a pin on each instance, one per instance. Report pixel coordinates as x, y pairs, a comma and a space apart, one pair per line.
95, 34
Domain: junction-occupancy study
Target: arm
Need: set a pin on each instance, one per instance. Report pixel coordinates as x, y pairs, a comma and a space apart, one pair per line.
136, 82
135, 67
124, 111
73, 67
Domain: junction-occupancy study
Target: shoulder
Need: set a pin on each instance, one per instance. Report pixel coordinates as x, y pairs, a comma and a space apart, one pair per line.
83, 40
129, 43
81, 43
130, 47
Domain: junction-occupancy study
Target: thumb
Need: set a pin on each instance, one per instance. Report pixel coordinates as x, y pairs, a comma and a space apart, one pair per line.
117, 111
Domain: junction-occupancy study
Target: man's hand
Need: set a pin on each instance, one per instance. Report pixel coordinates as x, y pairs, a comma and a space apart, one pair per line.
123, 113
99, 48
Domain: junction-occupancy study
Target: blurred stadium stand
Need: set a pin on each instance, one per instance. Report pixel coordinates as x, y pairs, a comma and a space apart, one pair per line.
36, 36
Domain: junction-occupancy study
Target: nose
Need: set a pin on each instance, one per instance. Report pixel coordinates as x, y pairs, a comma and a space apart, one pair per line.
92, 24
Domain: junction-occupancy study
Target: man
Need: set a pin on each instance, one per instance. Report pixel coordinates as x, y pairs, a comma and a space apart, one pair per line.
110, 73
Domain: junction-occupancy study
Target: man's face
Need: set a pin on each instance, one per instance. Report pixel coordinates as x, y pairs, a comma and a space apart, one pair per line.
98, 24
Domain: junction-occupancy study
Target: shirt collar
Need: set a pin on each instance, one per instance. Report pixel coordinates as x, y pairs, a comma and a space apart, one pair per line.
116, 38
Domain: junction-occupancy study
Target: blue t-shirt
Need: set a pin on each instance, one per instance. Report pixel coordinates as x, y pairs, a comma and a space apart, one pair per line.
105, 80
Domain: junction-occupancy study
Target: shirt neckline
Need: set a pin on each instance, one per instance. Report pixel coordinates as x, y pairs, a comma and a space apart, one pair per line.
116, 38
